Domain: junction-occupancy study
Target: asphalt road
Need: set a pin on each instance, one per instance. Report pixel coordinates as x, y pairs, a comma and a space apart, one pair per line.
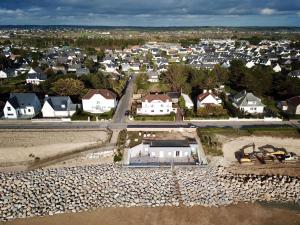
125, 102
112, 125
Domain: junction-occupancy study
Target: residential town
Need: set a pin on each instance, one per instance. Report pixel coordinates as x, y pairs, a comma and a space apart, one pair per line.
168, 119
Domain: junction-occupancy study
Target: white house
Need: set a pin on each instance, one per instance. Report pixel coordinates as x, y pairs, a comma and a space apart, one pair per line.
153, 76
277, 68
188, 101
156, 104
21, 105
58, 106
35, 77
3, 75
99, 101
208, 98
250, 64
247, 102
158, 152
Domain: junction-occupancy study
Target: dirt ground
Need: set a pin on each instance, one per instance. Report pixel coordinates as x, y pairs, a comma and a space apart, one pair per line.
241, 214
230, 146
17, 146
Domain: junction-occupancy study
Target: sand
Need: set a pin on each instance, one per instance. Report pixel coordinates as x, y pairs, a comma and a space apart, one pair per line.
242, 214
17, 146
232, 145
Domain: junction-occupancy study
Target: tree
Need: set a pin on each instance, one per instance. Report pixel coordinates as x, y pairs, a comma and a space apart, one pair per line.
221, 74
69, 87
176, 76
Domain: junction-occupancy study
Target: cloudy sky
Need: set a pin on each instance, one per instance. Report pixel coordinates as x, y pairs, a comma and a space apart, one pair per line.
151, 12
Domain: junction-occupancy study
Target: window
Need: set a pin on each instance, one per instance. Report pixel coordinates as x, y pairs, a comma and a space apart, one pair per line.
161, 110
177, 153
29, 110
8, 108
152, 110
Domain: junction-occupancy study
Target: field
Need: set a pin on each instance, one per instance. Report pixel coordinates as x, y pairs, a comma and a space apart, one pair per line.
23, 147
244, 214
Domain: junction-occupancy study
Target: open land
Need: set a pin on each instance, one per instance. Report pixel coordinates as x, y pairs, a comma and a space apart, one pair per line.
22, 147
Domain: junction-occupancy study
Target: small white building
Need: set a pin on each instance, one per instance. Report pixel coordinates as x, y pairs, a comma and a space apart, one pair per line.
99, 101
188, 101
208, 98
3, 75
248, 103
156, 104
153, 76
250, 64
159, 152
277, 68
58, 106
22, 106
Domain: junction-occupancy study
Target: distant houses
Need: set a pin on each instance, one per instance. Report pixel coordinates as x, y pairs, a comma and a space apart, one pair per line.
99, 101
22, 106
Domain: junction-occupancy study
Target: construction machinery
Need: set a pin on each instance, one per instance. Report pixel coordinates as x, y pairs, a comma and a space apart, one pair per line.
264, 154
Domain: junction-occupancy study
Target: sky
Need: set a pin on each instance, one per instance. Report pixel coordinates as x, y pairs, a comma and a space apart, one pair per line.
151, 12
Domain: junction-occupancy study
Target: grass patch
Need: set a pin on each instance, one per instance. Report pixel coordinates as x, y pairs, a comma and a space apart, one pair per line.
81, 115
118, 156
132, 136
155, 118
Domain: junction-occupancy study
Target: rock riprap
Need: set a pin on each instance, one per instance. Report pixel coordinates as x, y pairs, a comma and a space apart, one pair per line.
215, 186
52, 191
75, 189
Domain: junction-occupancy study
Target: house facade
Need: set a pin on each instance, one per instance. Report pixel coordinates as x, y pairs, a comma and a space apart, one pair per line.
157, 152
58, 106
156, 104
99, 101
208, 98
35, 77
248, 103
21, 106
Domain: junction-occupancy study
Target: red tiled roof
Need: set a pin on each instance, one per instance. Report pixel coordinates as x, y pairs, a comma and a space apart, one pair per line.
152, 97
202, 96
104, 92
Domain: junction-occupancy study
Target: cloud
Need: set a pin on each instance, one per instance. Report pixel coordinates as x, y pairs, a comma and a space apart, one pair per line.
267, 11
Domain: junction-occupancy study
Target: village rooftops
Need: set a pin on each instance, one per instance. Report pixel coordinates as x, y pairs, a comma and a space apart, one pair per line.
104, 92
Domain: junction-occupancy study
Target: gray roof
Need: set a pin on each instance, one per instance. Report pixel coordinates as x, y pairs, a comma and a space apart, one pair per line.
243, 98
60, 103
21, 100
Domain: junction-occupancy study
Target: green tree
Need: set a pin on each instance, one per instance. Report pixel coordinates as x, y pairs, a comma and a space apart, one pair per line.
69, 87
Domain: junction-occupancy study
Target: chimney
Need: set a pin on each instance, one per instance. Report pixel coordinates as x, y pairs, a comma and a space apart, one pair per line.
204, 91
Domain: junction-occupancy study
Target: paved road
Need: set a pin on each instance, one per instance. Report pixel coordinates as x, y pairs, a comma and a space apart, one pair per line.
141, 124
125, 102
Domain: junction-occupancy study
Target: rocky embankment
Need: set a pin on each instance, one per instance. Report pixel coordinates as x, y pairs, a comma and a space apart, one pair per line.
215, 186
52, 191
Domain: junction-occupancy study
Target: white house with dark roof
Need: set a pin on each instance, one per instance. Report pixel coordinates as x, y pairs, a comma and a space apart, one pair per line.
156, 104
22, 106
248, 103
35, 77
99, 101
58, 106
